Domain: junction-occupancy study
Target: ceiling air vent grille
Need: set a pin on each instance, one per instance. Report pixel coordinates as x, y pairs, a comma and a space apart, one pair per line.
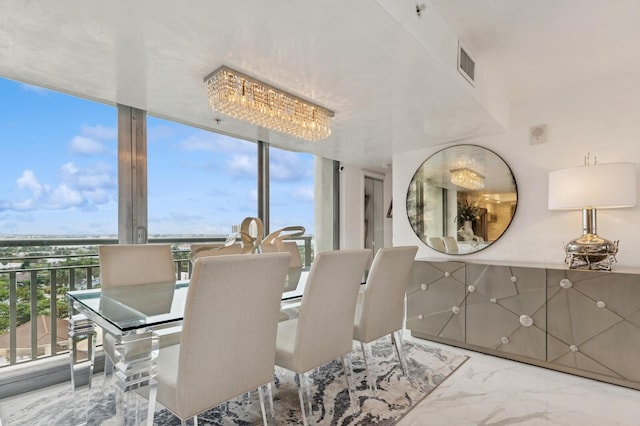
466, 65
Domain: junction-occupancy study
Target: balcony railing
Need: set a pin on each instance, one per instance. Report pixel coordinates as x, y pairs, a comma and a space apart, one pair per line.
33, 288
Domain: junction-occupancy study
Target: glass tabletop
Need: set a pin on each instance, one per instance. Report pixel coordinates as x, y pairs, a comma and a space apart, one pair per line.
135, 306
148, 305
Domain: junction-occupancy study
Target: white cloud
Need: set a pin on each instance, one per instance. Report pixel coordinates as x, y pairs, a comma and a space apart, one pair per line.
96, 196
29, 181
195, 143
92, 138
86, 146
162, 131
69, 169
99, 131
304, 194
98, 176
212, 142
85, 188
64, 197
243, 166
286, 166
23, 205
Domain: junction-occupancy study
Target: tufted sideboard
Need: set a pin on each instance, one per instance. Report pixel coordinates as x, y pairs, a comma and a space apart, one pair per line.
580, 322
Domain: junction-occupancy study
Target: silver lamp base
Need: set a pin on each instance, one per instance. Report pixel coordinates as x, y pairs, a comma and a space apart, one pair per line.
591, 252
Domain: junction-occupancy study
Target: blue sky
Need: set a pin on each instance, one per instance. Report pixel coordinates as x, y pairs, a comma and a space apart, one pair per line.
58, 172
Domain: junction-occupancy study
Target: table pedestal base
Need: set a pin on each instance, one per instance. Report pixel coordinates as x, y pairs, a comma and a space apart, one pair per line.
136, 388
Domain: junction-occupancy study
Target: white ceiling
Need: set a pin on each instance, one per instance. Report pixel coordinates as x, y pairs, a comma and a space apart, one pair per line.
389, 92
535, 48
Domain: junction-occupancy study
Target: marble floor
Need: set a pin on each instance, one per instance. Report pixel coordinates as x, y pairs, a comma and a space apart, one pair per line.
492, 391
487, 390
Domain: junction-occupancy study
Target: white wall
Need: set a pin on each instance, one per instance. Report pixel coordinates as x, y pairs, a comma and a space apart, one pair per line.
602, 118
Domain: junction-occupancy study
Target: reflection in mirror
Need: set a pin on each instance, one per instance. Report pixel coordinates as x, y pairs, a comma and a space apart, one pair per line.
461, 199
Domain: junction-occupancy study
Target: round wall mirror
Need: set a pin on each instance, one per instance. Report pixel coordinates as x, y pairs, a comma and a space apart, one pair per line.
462, 199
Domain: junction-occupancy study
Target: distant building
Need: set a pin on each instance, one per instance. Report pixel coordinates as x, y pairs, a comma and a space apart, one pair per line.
43, 338
11, 265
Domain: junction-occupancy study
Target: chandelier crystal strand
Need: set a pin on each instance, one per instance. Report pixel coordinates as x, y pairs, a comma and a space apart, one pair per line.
467, 178
245, 98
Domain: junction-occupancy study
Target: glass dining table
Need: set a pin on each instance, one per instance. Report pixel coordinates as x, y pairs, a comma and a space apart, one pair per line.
134, 316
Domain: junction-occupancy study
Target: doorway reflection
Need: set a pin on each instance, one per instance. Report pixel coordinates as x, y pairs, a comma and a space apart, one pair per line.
374, 214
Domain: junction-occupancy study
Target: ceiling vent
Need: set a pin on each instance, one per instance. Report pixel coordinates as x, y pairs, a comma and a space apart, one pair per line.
466, 64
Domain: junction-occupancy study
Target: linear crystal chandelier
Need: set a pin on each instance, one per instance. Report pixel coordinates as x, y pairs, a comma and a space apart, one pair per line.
467, 178
243, 97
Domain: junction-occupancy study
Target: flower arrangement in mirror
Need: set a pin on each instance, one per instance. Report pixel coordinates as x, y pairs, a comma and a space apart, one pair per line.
467, 214
468, 211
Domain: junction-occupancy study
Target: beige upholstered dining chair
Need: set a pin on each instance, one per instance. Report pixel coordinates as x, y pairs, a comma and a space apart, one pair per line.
436, 243
295, 266
134, 264
323, 330
275, 242
130, 264
380, 306
450, 244
227, 346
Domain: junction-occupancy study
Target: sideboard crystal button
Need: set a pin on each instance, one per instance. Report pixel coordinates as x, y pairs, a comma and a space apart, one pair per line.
455, 310
423, 286
504, 340
472, 288
513, 278
493, 300
526, 320
420, 316
600, 304
573, 348
565, 283
447, 274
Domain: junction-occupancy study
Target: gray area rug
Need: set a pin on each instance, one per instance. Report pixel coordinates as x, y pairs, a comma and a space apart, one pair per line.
397, 394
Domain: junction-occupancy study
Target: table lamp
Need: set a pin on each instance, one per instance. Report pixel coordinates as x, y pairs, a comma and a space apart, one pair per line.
591, 187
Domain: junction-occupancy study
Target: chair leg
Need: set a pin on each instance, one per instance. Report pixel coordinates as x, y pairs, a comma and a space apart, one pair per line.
348, 372
262, 407
307, 389
370, 379
404, 314
397, 344
195, 421
299, 381
270, 395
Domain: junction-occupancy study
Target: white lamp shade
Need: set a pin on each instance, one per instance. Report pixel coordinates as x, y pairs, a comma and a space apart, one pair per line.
601, 186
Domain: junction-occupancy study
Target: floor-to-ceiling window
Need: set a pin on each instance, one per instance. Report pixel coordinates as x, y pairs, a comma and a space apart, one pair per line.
199, 182
291, 189
292, 196
58, 173
59, 177
58, 163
